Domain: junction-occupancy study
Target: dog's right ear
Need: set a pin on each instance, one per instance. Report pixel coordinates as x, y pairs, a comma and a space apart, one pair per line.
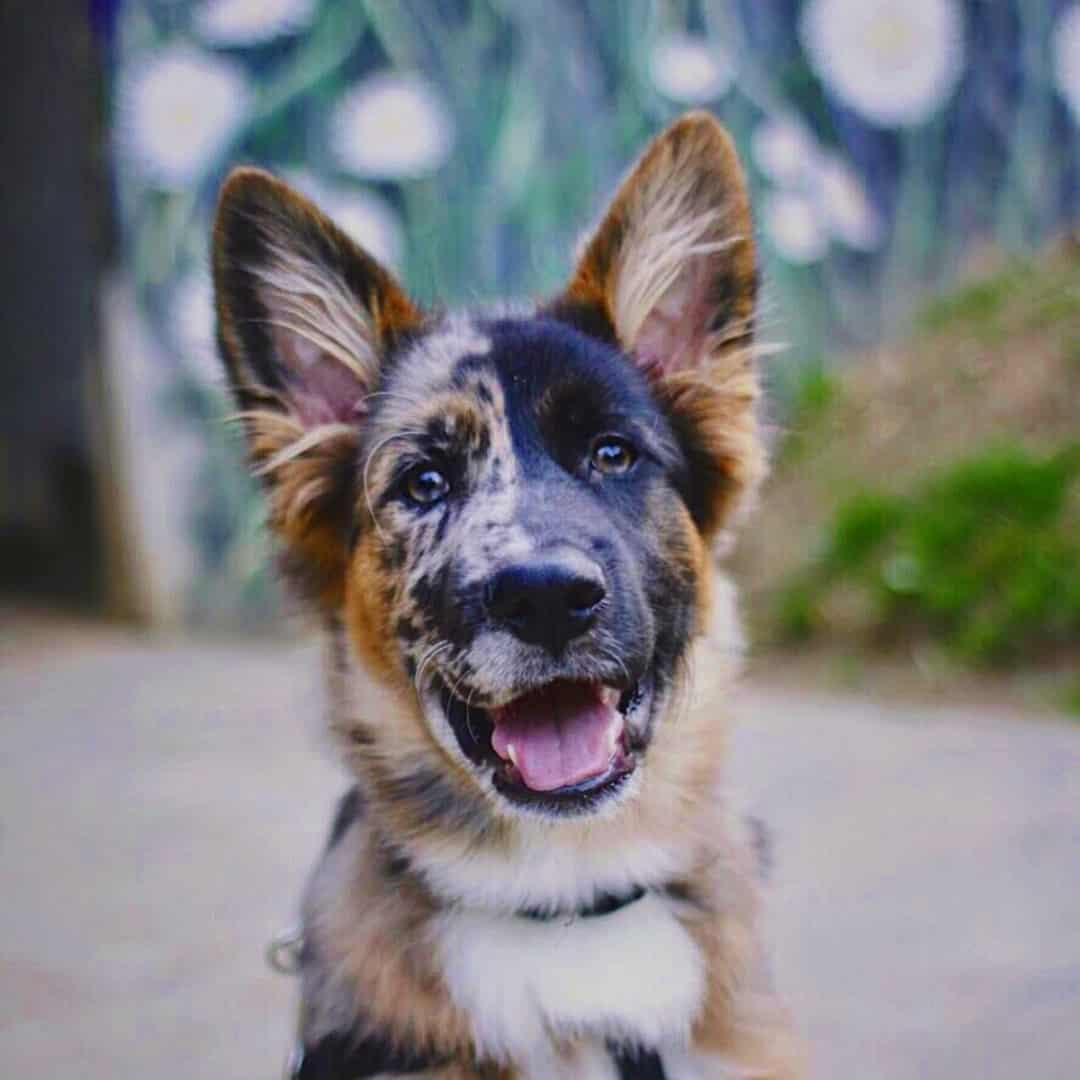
670, 274
305, 321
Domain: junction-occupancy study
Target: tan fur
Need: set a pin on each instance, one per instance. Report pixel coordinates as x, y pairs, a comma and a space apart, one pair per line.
673, 261
671, 269
379, 941
379, 932
357, 333
310, 308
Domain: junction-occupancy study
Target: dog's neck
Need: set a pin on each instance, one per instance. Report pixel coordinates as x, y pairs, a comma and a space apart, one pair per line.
534, 876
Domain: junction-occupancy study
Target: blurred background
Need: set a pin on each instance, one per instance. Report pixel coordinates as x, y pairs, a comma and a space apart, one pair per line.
915, 169
916, 174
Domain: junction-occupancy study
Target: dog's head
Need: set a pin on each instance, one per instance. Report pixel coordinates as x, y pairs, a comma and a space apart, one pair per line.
508, 517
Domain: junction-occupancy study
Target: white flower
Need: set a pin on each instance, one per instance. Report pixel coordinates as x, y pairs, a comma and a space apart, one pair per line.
191, 325
248, 22
825, 187
794, 230
366, 217
689, 69
893, 61
370, 221
784, 151
391, 126
178, 111
1066, 46
844, 206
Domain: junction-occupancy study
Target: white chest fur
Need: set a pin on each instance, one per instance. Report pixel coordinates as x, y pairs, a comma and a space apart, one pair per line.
635, 975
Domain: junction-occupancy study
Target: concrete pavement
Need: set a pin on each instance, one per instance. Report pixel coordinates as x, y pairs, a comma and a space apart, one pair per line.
160, 804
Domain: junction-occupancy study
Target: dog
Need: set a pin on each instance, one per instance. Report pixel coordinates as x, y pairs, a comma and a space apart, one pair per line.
506, 522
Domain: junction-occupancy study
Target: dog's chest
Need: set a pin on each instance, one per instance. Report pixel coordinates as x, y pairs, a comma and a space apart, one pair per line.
635, 975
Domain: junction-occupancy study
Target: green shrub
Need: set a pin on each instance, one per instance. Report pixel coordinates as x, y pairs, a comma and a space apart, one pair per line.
985, 556
976, 306
1070, 697
808, 399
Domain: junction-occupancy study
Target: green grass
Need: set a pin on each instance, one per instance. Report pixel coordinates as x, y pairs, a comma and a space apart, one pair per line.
810, 397
976, 304
983, 556
1023, 295
1070, 698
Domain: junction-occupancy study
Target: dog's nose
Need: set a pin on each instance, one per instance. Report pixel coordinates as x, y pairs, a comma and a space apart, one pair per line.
549, 600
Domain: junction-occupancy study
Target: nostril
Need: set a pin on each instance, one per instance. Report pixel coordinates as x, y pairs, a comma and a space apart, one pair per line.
518, 611
508, 597
583, 596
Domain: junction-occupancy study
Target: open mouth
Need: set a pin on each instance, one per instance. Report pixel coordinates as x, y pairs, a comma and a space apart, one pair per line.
563, 746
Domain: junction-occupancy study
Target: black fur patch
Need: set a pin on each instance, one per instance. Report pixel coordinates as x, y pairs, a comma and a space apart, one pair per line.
761, 841
637, 1063
437, 801
587, 318
349, 810
683, 893
344, 1057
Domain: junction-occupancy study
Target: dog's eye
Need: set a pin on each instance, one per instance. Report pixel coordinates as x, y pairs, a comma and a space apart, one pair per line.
612, 455
425, 485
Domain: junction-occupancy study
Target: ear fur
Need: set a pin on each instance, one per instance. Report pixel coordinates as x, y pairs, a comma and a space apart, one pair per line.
305, 320
671, 275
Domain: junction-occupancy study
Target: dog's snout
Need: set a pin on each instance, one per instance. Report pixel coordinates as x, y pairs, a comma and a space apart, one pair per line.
549, 600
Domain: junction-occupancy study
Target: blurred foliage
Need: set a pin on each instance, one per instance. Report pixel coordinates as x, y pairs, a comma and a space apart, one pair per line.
814, 391
984, 556
977, 304
862, 206
1070, 698
927, 495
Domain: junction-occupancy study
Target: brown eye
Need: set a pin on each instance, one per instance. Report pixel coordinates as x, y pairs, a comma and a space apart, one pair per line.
425, 485
613, 455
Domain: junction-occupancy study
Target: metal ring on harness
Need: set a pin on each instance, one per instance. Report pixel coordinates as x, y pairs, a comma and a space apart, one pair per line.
284, 951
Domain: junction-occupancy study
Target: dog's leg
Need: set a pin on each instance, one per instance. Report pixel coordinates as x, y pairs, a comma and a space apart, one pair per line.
459, 1072
745, 1031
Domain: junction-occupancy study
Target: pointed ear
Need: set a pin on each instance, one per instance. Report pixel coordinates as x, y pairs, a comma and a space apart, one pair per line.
670, 275
305, 320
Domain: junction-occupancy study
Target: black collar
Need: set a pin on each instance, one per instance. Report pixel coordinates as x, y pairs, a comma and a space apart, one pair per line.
606, 903
397, 864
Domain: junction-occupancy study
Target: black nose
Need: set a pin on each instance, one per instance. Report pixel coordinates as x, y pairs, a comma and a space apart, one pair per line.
549, 600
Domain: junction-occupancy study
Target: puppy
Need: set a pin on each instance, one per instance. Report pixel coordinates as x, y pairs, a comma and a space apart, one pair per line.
506, 522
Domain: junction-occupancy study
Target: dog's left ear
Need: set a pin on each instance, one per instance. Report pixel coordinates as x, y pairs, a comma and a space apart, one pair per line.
670, 274
306, 322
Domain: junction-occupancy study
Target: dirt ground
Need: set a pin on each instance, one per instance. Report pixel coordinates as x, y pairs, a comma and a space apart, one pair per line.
161, 800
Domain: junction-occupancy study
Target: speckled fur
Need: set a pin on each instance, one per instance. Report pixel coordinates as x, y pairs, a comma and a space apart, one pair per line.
341, 380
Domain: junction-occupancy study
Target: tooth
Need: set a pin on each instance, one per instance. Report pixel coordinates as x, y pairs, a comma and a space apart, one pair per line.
613, 733
511, 753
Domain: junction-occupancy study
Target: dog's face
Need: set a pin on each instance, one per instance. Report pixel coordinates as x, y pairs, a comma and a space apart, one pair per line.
509, 517
536, 556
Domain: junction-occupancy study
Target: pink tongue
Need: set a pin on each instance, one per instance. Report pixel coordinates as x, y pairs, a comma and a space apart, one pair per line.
561, 735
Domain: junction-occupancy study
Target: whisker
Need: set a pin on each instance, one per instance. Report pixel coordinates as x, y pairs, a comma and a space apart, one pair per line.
468, 714
404, 399
428, 657
608, 649
685, 688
